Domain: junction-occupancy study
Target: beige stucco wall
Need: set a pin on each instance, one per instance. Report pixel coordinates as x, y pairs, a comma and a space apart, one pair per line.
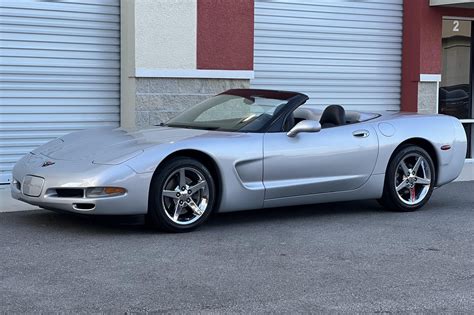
165, 34
127, 69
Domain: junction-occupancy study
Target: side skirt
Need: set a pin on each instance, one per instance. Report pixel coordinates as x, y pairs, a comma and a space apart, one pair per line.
372, 189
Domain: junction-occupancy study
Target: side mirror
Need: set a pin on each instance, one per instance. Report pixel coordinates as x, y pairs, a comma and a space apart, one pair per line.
304, 126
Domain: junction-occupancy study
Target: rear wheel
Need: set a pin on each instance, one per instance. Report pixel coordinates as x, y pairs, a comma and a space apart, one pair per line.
409, 180
182, 196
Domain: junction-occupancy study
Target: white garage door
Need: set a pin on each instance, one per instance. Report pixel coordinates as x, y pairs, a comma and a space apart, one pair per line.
336, 51
59, 71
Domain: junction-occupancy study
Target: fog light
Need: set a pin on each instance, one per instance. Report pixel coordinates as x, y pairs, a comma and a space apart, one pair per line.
16, 183
98, 192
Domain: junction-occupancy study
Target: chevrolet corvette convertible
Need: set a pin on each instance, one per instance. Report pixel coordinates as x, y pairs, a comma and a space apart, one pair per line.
244, 149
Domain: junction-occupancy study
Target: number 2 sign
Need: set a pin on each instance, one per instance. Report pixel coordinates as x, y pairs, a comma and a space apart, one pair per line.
456, 26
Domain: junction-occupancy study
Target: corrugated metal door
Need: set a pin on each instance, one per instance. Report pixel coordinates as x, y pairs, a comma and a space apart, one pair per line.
336, 51
59, 71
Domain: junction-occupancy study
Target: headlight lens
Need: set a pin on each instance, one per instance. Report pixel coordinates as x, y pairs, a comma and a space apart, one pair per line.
98, 192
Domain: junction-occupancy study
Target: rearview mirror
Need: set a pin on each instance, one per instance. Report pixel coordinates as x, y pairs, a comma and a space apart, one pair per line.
304, 126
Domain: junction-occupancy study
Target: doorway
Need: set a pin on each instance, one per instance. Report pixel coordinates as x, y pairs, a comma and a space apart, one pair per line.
456, 87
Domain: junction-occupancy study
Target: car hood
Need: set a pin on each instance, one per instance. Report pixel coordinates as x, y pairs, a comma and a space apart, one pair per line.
112, 146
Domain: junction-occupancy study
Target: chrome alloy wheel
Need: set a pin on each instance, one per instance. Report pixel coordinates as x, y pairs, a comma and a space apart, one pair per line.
185, 195
412, 179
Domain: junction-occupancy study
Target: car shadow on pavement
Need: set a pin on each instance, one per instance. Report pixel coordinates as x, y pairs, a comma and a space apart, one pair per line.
67, 222
313, 212
135, 225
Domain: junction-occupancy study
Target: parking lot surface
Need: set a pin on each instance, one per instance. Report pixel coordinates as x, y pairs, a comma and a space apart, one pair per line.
344, 257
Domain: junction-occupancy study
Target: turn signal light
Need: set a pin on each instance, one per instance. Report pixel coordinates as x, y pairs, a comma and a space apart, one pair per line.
98, 192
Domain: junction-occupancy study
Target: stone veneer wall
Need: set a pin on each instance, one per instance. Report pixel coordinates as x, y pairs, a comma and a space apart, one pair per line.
427, 97
159, 99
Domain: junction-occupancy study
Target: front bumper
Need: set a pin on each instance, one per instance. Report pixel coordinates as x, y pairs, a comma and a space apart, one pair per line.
81, 175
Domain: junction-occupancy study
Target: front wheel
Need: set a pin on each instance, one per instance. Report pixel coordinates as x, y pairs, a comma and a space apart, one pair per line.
409, 180
182, 195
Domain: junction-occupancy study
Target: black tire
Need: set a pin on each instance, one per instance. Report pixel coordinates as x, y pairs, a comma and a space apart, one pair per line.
157, 216
390, 198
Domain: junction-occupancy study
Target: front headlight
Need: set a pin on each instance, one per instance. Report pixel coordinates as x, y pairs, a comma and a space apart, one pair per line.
98, 192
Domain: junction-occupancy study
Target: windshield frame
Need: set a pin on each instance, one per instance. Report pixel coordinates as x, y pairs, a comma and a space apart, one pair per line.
293, 100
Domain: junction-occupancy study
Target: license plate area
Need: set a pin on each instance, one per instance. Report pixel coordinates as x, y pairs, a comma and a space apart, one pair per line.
32, 186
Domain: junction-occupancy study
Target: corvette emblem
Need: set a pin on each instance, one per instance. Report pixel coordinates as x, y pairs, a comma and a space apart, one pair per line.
48, 163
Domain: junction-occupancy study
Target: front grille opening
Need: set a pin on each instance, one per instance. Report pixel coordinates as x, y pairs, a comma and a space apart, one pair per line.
84, 206
69, 193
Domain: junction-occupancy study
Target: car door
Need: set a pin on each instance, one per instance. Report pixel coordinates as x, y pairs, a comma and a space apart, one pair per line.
331, 160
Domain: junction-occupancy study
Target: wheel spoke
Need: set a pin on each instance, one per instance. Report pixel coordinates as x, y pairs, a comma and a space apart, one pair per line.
170, 194
202, 184
177, 211
182, 178
423, 181
423, 168
195, 208
402, 185
417, 164
405, 168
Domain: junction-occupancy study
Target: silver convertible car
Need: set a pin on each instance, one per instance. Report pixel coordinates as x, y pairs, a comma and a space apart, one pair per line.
244, 149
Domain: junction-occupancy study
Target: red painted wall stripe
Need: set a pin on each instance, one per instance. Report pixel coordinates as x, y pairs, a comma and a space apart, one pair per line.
411, 54
225, 33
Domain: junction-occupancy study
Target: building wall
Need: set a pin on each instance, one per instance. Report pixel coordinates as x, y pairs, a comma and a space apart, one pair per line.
226, 34
180, 52
428, 97
209, 42
166, 34
422, 53
127, 60
159, 99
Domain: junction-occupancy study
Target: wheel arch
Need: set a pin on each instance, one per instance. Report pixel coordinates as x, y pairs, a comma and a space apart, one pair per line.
389, 199
203, 158
424, 144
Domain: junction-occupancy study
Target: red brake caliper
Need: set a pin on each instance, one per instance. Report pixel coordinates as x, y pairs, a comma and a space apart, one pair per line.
412, 194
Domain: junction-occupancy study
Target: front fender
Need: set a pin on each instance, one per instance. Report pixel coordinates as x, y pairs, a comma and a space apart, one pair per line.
239, 160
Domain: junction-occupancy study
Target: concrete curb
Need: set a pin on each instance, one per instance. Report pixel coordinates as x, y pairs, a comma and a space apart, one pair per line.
8, 204
467, 173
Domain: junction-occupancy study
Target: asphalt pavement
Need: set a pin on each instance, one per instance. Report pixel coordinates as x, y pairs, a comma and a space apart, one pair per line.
342, 257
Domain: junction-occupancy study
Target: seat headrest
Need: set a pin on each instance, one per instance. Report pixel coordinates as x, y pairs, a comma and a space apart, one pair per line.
333, 116
306, 114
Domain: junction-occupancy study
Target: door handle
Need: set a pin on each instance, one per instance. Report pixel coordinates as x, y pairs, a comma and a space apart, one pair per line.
361, 133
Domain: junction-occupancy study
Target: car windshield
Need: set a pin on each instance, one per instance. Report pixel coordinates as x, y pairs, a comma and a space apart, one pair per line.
230, 112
